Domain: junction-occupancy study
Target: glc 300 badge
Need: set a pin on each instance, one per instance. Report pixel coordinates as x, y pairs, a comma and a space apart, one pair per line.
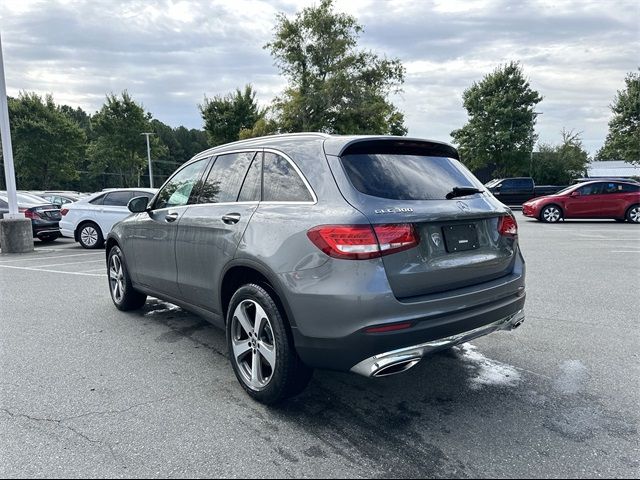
394, 210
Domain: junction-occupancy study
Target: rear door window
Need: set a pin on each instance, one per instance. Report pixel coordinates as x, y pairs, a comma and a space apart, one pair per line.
97, 200
407, 177
117, 199
281, 181
226, 177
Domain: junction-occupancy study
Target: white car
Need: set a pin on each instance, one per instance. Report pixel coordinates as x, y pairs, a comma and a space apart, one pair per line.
89, 220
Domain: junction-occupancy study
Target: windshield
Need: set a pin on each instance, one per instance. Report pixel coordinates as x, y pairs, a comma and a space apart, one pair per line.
407, 177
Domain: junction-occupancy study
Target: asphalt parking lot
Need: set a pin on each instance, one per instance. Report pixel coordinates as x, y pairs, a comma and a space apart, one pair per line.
88, 391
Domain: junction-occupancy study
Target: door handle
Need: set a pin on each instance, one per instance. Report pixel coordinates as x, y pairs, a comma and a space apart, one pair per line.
171, 217
231, 218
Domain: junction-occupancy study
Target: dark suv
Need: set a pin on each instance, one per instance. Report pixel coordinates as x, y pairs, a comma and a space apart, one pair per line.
314, 251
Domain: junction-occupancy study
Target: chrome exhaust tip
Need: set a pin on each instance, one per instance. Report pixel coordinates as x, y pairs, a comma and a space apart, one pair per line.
395, 368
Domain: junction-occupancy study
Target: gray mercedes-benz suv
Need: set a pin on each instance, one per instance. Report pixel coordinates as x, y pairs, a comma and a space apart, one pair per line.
353, 253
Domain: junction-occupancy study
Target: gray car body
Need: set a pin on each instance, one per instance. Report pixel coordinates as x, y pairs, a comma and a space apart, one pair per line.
198, 260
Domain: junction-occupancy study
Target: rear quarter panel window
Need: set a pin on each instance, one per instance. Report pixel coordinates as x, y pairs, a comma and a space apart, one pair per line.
407, 177
281, 182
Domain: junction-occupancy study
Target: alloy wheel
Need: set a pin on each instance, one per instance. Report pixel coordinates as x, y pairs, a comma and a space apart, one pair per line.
253, 344
116, 278
551, 214
634, 214
89, 236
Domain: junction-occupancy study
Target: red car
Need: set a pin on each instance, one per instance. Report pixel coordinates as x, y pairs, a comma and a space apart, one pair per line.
596, 199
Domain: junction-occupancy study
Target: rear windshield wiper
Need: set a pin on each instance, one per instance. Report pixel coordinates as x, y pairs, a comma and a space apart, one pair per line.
462, 192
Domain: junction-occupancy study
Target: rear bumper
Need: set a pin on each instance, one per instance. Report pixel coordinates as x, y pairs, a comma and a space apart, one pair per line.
402, 359
45, 229
360, 351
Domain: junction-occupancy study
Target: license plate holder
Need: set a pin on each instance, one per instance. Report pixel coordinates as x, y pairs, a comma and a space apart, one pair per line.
460, 238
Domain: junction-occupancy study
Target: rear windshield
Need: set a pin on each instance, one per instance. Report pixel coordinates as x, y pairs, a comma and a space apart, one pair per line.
407, 177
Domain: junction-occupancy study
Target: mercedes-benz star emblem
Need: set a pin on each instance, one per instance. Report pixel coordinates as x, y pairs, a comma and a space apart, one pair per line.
437, 239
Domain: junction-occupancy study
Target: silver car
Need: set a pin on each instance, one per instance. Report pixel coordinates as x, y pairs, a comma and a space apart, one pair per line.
352, 253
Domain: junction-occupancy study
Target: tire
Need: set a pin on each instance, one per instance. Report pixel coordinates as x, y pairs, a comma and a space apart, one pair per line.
90, 236
551, 214
633, 214
124, 296
280, 373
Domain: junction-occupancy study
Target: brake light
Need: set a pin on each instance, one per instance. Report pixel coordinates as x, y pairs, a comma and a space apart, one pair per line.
507, 226
362, 242
64, 211
31, 214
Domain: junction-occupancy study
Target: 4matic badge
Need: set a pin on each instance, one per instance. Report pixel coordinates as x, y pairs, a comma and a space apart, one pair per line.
394, 210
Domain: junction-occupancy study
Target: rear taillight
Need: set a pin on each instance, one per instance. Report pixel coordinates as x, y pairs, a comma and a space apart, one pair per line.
31, 214
64, 211
362, 242
507, 226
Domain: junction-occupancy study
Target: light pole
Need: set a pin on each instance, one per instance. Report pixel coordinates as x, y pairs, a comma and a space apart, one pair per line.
531, 155
147, 134
15, 230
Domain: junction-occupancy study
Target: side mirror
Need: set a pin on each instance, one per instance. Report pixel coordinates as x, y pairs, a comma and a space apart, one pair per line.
575, 194
138, 204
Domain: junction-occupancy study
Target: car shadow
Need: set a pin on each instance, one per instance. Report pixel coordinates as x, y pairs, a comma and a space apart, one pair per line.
409, 425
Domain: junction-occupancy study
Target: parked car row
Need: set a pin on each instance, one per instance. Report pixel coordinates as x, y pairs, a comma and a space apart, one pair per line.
90, 216
89, 220
44, 216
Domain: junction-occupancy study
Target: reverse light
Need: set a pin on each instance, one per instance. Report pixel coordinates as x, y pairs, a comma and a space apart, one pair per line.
507, 226
362, 242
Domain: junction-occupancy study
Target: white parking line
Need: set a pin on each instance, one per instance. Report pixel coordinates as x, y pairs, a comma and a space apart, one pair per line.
53, 271
625, 251
52, 256
70, 263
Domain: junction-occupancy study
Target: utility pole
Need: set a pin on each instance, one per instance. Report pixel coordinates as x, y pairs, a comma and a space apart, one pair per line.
147, 134
16, 235
531, 156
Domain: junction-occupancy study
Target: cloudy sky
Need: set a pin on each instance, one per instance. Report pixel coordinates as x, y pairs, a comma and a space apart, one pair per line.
169, 54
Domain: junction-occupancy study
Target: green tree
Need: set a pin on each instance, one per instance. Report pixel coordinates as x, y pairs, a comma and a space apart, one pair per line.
78, 115
333, 86
559, 164
225, 116
118, 151
48, 146
180, 145
623, 139
500, 131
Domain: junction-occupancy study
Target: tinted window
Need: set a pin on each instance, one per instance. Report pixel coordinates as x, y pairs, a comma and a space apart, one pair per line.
177, 191
627, 187
517, 184
252, 186
591, 189
3, 204
281, 183
407, 177
226, 177
98, 200
117, 199
149, 195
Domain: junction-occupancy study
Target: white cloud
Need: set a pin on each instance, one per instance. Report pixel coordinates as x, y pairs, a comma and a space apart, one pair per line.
170, 53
